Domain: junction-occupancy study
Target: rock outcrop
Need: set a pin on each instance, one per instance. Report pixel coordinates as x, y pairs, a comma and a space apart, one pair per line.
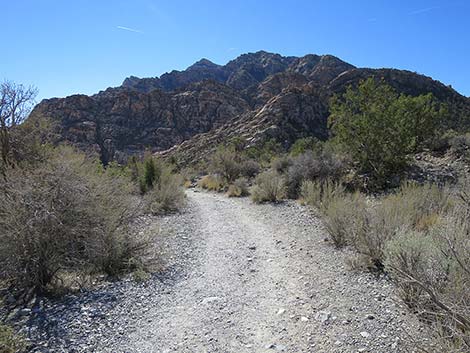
256, 96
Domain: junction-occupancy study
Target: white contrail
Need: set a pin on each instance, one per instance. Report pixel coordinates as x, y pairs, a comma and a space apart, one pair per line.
423, 10
129, 29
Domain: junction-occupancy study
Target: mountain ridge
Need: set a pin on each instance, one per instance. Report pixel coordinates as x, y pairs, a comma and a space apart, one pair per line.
160, 113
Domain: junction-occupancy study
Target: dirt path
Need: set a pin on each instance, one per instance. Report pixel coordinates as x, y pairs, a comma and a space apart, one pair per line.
243, 278
265, 280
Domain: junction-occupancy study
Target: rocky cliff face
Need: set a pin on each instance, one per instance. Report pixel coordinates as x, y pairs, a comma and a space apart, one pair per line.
256, 96
129, 122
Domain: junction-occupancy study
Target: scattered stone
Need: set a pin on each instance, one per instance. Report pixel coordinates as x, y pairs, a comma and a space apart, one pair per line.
209, 300
24, 312
323, 316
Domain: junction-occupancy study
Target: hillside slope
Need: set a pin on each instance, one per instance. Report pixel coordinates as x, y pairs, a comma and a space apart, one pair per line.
257, 95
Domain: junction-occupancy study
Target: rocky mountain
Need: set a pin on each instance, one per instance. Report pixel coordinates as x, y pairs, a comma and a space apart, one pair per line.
256, 96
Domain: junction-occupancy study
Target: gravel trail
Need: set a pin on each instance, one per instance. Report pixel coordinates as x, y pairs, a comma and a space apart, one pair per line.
248, 278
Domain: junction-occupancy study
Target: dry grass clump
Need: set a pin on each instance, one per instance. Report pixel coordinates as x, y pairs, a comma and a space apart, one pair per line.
320, 193
239, 188
168, 194
212, 183
269, 187
413, 207
344, 216
9, 342
432, 270
65, 215
421, 236
281, 164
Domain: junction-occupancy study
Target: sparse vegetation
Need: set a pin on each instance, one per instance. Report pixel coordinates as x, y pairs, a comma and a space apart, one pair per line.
227, 163
309, 166
269, 187
9, 341
239, 188
212, 183
303, 145
62, 213
167, 194
67, 215
320, 193
281, 164
420, 235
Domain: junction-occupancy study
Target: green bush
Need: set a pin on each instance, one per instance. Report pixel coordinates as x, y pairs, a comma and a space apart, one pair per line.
304, 145
413, 206
269, 187
380, 128
264, 152
147, 173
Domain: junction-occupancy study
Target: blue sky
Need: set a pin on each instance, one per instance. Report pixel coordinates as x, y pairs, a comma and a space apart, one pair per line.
83, 46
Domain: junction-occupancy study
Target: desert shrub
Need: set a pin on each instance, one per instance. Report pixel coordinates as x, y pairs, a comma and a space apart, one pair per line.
168, 194
147, 173
239, 188
269, 187
344, 215
411, 253
249, 168
226, 163
305, 144
460, 145
413, 206
420, 235
432, 270
212, 183
66, 215
321, 192
308, 166
380, 127
265, 152
281, 164
9, 341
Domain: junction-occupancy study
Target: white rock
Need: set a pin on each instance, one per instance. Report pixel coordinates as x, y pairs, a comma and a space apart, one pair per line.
323, 316
209, 300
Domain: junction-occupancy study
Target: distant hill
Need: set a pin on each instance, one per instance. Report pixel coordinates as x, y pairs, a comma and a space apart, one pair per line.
255, 96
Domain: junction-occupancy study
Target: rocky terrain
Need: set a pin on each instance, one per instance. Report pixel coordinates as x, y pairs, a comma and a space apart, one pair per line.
257, 96
237, 277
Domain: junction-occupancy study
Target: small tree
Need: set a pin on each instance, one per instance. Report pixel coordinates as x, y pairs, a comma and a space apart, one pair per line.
16, 102
380, 127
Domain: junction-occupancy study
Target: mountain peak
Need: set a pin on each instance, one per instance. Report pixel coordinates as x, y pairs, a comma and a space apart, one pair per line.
203, 63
